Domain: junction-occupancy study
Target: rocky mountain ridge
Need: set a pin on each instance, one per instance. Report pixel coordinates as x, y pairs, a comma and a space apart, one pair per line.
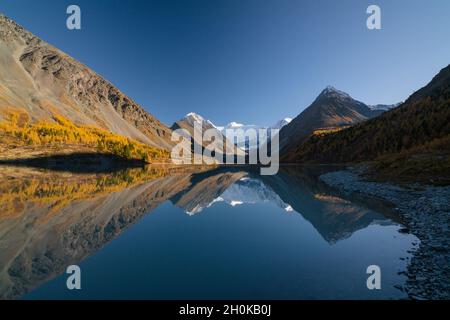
40, 81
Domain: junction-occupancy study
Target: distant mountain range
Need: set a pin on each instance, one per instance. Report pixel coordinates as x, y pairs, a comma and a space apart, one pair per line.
236, 125
188, 123
253, 143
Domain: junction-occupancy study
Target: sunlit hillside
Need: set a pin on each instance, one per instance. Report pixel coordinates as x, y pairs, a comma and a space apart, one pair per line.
16, 130
325, 131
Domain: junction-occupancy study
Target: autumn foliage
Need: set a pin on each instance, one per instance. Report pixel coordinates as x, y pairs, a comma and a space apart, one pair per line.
16, 130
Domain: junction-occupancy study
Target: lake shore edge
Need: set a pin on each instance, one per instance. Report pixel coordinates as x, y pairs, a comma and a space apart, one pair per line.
426, 212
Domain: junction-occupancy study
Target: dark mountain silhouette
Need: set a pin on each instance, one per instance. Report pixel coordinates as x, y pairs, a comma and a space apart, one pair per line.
332, 109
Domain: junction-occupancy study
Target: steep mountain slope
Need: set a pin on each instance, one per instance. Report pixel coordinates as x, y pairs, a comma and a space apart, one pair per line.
39, 81
412, 139
331, 109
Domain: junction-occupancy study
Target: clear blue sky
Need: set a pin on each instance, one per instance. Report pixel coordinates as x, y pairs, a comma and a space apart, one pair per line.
251, 61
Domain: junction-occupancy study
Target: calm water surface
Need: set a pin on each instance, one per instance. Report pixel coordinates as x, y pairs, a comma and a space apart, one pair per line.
219, 234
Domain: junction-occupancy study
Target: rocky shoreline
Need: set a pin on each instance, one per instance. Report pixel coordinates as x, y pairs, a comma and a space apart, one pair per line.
426, 213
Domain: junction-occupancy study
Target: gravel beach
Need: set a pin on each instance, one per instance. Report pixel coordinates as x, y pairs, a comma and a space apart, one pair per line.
426, 212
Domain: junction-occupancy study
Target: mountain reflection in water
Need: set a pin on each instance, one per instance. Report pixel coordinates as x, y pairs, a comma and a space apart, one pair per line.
49, 220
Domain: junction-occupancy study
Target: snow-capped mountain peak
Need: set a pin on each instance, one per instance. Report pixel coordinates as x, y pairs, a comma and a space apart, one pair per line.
333, 92
281, 123
237, 125
233, 124
193, 117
